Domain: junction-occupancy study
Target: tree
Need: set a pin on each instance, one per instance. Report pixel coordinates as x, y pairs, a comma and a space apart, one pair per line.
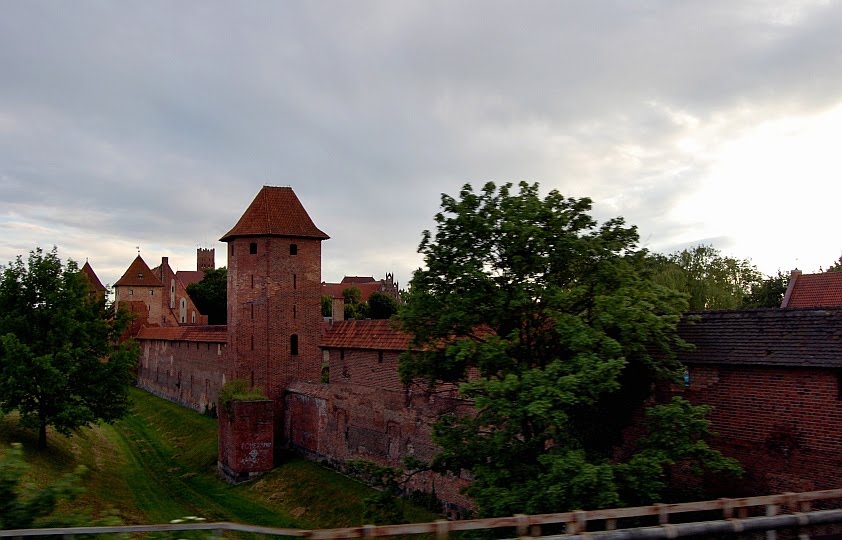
381, 306
710, 279
61, 363
211, 295
355, 308
769, 293
545, 321
327, 305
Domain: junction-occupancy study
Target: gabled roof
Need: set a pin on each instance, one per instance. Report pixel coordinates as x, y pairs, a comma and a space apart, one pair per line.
189, 277
139, 275
334, 290
768, 337
358, 279
275, 211
211, 333
814, 290
378, 334
92, 278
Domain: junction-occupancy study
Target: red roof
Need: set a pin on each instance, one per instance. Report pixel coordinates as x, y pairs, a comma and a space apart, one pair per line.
379, 334
275, 211
358, 279
814, 290
92, 278
334, 290
212, 334
189, 277
139, 275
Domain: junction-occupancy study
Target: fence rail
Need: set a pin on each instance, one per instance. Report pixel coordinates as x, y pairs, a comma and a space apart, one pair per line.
786, 510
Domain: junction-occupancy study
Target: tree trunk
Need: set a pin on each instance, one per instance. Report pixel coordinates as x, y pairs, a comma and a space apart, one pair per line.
42, 436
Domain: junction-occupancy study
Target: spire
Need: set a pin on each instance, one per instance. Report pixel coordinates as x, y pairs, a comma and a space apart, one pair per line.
275, 211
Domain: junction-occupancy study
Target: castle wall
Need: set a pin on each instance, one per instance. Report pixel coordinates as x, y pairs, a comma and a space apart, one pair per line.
377, 369
190, 373
340, 422
782, 423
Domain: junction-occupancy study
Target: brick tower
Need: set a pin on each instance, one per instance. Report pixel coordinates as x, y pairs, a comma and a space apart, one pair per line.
274, 292
205, 259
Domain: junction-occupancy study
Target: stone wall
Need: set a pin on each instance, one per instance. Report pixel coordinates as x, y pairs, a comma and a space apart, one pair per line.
246, 439
340, 422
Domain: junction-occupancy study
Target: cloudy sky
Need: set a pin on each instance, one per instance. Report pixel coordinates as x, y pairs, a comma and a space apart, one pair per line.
154, 124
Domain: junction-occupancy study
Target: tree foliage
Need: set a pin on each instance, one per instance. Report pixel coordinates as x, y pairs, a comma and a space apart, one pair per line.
355, 308
544, 319
381, 306
211, 295
61, 363
769, 293
710, 279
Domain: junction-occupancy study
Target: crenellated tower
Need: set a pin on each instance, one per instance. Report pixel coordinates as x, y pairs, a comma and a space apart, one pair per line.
274, 292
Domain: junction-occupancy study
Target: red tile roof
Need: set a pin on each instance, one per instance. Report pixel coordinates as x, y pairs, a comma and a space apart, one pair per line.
379, 335
769, 337
815, 290
139, 275
275, 211
211, 334
92, 278
358, 279
189, 277
334, 290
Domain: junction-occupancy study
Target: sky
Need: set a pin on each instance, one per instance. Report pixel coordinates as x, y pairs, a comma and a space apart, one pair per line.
152, 125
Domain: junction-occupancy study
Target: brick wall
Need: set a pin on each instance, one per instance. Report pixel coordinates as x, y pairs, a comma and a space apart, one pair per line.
189, 373
246, 439
377, 369
782, 423
272, 296
341, 422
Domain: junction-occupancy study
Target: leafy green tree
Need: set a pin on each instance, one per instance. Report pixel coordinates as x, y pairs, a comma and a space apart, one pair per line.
545, 321
327, 305
355, 308
61, 363
769, 293
710, 279
25, 507
381, 306
211, 295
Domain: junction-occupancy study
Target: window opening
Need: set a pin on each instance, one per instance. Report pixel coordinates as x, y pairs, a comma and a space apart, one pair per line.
293, 249
293, 344
253, 248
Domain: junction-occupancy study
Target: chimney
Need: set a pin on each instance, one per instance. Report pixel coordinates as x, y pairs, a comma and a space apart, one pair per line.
793, 276
338, 309
165, 261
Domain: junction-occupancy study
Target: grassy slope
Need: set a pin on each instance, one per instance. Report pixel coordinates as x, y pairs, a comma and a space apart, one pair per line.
159, 464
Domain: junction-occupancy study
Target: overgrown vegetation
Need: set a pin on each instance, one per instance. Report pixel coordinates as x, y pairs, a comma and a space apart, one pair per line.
239, 390
211, 295
550, 324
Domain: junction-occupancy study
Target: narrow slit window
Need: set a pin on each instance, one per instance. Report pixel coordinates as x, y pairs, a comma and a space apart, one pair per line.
293, 344
294, 281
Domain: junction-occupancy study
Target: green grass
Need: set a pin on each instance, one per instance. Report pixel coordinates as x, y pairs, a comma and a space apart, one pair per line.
159, 464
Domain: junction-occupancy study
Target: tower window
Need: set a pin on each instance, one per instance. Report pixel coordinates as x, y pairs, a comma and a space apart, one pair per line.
293, 249
252, 342
293, 344
294, 281
294, 310
253, 248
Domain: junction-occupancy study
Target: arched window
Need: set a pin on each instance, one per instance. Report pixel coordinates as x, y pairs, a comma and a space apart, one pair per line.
182, 310
293, 344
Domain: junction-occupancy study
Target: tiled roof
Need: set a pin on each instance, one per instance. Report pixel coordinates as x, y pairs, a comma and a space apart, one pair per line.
358, 279
92, 278
334, 290
188, 277
275, 211
212, 334
775, 337
815, 290
139, 275
370, 334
